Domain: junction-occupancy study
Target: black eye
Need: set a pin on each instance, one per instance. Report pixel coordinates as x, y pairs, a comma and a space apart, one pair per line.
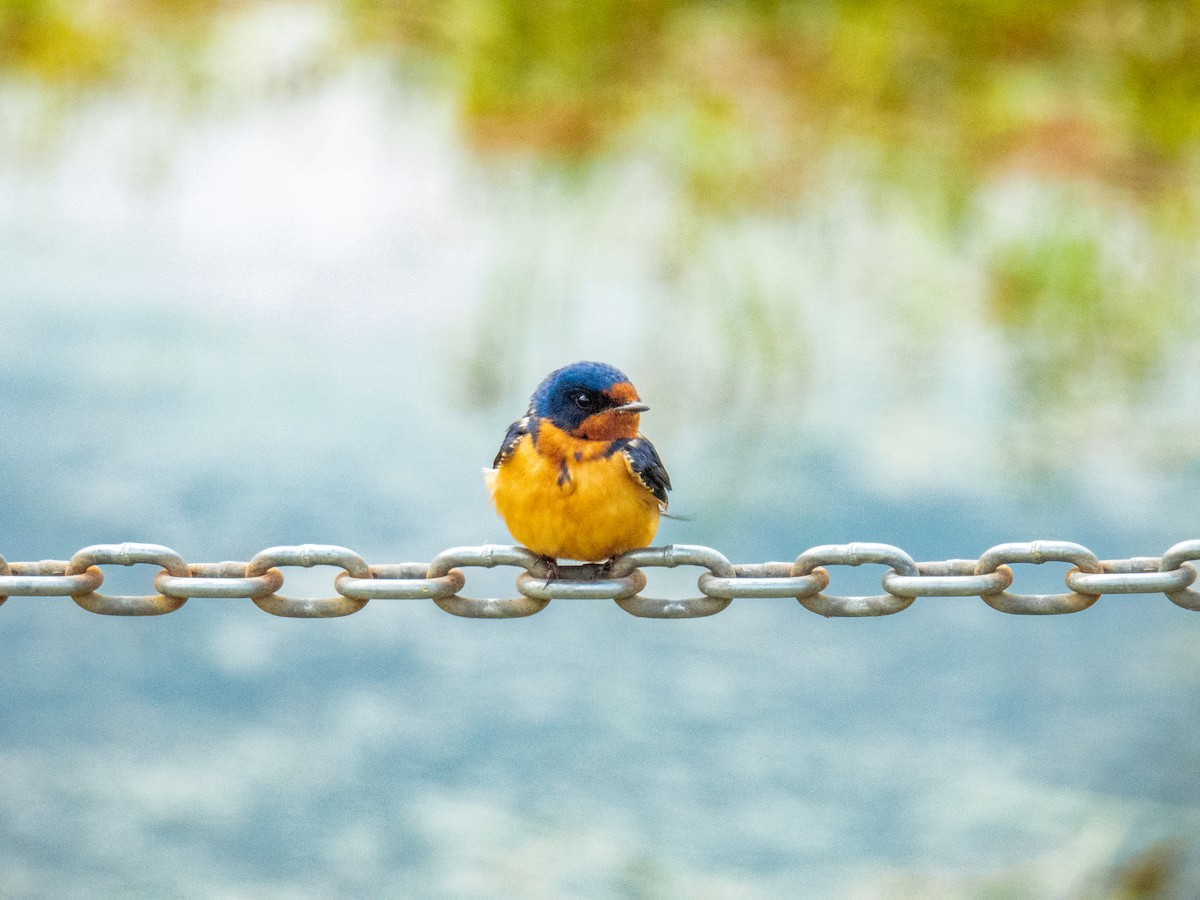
584, 400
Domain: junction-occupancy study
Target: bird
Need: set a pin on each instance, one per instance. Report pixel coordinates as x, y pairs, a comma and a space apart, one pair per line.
574, 478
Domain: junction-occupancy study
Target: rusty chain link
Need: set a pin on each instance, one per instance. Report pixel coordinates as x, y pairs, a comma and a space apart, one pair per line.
621, 579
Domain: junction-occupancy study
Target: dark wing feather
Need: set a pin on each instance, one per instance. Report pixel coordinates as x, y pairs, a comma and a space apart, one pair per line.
646, 466
512, 437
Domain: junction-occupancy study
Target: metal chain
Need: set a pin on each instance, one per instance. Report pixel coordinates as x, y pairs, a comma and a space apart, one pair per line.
621, 579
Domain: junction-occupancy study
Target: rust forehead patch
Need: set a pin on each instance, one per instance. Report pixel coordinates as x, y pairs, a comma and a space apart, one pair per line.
624, 392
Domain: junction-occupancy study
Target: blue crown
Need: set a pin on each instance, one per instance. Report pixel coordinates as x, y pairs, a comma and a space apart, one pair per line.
554, 397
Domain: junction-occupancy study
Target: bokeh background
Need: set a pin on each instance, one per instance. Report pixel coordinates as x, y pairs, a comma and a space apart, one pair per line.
277, 272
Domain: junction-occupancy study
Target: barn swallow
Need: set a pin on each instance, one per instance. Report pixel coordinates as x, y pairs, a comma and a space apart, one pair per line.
574, 479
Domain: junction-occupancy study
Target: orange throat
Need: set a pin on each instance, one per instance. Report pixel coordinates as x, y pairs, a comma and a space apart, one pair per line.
562, 446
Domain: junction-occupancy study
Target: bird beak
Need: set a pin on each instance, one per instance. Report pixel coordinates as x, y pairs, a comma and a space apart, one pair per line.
631, 408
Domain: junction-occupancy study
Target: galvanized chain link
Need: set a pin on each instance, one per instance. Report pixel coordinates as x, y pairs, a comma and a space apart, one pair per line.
621, 579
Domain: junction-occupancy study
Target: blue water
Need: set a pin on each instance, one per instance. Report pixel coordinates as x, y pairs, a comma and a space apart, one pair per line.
231, 361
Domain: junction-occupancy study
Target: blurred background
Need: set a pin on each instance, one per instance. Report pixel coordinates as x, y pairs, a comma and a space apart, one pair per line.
280, 272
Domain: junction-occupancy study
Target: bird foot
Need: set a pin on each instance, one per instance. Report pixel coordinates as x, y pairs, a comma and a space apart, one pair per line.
552, 570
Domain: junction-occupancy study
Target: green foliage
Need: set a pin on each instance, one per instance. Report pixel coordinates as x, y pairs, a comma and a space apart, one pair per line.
745, 106
1107, 91
1085, 324
52, 41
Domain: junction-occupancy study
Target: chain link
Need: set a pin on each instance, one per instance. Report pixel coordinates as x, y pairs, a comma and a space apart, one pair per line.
1039, 552
488, 556
1178, 557
670, 557
622, 580
856, 555
127, 555
306, 556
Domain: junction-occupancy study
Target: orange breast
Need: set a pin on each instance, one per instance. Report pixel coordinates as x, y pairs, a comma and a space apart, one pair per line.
592, 512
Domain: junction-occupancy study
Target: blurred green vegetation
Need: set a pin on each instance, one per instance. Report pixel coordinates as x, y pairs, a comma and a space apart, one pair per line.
756, 89
747, 97
1152, 873
1078, 310
748, 105
80, 44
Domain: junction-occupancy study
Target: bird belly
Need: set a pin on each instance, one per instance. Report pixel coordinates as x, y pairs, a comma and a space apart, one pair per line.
592, 511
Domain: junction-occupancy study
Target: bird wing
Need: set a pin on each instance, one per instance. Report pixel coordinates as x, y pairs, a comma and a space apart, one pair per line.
512, 437
645, 466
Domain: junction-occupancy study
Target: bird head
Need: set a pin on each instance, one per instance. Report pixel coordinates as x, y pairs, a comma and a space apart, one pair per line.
589, 400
